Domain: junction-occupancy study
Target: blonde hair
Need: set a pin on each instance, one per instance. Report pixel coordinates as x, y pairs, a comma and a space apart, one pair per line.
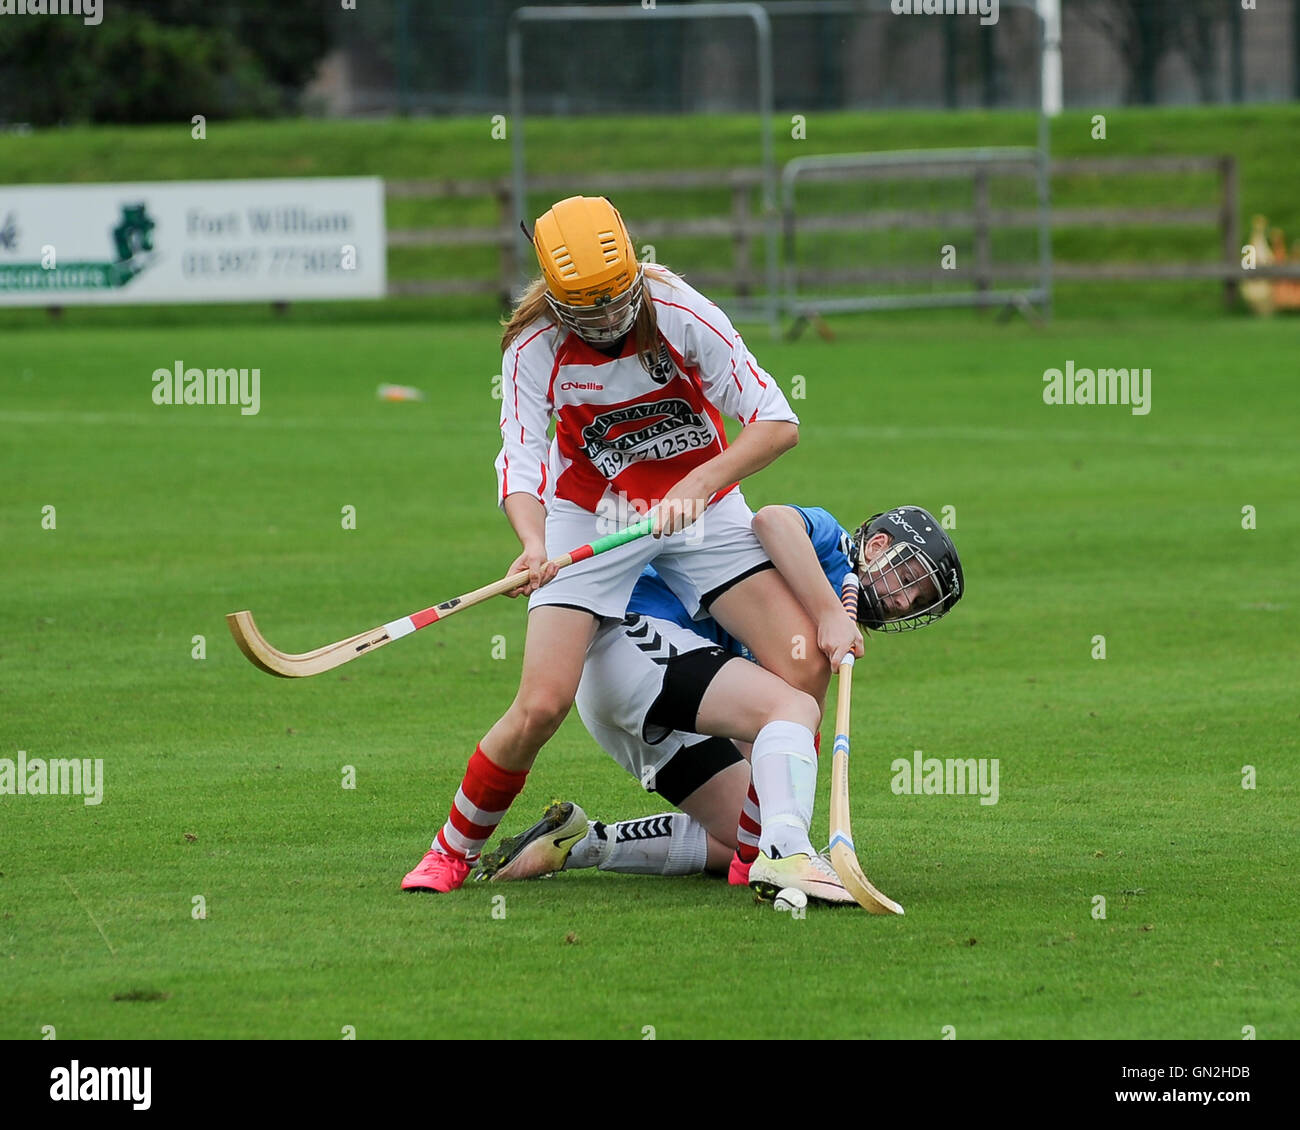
532, 305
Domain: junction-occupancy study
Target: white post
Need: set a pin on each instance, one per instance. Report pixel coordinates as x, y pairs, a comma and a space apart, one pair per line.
1052, 79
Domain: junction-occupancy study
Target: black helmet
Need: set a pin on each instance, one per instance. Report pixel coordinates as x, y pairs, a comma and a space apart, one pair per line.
915, 537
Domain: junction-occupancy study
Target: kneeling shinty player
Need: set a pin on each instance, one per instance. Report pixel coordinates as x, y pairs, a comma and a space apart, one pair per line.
655, 684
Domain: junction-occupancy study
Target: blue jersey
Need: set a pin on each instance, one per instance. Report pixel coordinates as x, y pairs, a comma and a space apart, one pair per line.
830, 541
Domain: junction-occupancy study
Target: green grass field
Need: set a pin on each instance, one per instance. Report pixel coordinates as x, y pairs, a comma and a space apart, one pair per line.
1120, 777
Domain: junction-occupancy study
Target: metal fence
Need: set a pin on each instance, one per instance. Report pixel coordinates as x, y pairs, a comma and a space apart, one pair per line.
976, 281
1132, 194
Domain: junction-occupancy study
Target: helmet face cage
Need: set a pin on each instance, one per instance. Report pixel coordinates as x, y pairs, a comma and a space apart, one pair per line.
901, 590
607, 319
918, 577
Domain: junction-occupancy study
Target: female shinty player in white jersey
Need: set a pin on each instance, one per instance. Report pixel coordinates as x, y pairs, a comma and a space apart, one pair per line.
637, 370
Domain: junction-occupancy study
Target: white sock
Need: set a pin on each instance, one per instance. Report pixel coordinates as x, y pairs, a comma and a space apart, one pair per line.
668, 844
784, 769
586, 852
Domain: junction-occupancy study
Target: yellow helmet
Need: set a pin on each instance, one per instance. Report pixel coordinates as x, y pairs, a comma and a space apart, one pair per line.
593, 280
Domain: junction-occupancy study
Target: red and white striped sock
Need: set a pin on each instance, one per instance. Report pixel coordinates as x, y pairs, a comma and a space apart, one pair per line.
748, 828
485, 794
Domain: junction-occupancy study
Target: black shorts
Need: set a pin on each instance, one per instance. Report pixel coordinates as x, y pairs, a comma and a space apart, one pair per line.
693, 766
686, 679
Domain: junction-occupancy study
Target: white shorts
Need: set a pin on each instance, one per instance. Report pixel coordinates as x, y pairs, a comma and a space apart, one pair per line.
623, 678
698, 563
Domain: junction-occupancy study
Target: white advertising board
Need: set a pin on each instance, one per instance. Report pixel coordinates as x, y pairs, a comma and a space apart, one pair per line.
192, 241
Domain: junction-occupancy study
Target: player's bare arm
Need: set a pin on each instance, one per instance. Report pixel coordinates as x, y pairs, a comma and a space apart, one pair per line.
781, 531
758, 444
528, 518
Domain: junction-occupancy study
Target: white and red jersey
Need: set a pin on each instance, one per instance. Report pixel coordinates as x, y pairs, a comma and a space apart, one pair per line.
618, 426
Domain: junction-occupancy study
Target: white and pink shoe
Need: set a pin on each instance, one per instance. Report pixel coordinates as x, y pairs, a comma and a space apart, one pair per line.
812, 874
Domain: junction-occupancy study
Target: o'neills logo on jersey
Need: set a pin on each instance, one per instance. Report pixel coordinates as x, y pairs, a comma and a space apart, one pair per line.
591, 386
668, 428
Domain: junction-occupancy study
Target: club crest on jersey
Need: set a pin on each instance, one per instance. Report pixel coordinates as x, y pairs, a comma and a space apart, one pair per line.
663, 370
657, 429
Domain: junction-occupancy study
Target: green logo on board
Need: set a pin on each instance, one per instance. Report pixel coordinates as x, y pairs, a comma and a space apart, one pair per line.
132, 241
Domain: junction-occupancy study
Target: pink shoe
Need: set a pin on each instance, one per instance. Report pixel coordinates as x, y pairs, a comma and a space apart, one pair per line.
437, 872
738, 872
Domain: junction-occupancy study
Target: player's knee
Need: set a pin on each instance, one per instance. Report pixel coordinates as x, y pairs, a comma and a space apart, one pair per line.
819, 678
794, 705
539, 715
810, 674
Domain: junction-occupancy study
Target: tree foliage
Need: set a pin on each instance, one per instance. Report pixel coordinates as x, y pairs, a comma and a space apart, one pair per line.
159, 60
